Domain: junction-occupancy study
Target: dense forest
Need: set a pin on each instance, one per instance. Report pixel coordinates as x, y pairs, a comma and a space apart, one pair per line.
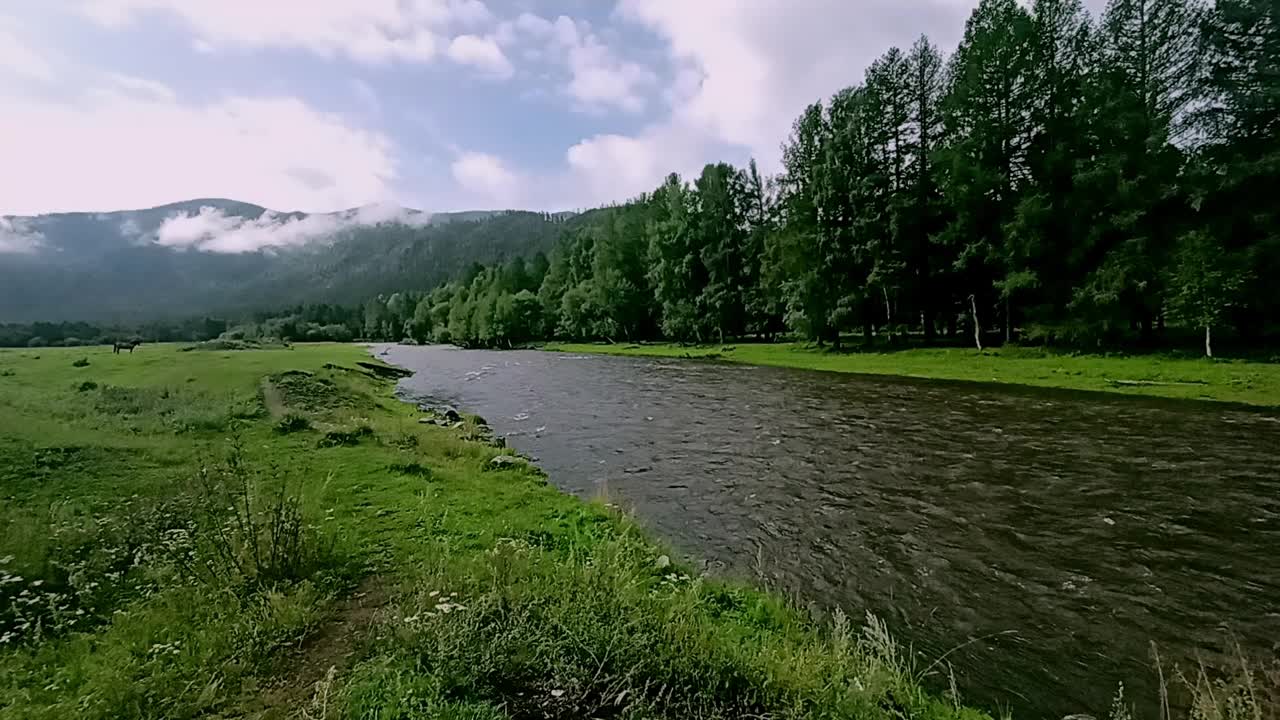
1056, 180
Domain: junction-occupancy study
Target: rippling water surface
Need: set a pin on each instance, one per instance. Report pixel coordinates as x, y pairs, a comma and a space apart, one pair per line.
1063, 531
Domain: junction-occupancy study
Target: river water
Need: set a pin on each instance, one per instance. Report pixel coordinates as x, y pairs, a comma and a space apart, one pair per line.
1050, 536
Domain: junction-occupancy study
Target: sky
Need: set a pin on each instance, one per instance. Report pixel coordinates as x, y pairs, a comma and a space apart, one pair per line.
440, 105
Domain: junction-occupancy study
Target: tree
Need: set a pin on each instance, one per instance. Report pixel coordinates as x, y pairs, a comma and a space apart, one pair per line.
525, 317
803, 257
920, 216
618, 273
1045, 224
720, 234
986, 120
761, 298
1132, 196
675, 272
1203, 282
1240, 123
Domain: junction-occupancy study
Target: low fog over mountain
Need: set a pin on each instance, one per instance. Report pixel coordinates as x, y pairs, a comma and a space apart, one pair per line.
217, 255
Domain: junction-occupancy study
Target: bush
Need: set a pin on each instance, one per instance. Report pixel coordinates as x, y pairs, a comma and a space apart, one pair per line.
345, 438
86, 386
292, 423
37, 341
82, 362
265, 541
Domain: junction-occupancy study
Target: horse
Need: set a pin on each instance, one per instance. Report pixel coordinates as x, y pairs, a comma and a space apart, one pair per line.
125, 345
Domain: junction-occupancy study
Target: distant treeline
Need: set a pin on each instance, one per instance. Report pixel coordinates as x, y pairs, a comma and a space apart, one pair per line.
317, 322
71, 334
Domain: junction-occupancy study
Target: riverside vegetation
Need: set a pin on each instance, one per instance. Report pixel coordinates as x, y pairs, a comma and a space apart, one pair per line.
270, 533
1161, 375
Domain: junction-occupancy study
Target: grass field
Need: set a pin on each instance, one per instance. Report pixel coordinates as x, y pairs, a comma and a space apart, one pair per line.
1172, 376
271, 534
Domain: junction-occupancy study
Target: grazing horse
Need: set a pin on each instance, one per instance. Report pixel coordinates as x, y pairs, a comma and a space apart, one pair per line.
125, 345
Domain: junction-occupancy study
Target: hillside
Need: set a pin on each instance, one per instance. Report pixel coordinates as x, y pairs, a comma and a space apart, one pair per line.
218, 256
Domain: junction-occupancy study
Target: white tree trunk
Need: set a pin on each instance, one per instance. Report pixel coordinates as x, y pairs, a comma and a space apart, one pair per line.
1208, 346
977, 327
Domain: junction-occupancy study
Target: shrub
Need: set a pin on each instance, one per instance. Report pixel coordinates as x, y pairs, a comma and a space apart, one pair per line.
250, 528
86, 386
82, 362
347, 438
292, 423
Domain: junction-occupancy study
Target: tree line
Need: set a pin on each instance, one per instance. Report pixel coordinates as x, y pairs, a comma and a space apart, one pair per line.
1057, 179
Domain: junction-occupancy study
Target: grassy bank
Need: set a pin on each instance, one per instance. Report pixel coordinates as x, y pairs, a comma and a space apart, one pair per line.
269, 533
1172, 376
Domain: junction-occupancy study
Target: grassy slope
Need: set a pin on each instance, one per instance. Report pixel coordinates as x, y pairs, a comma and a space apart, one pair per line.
447, 590
1159, 375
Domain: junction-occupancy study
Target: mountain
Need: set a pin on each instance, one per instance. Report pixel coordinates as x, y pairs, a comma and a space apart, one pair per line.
219, 256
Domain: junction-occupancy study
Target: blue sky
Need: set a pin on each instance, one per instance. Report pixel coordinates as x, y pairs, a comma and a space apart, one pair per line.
321, 105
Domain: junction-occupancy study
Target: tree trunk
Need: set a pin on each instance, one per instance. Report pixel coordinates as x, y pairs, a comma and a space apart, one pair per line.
1208, 345
977, 327
888, 314
1008, 321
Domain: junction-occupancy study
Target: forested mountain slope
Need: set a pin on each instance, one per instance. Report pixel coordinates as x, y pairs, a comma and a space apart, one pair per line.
222, 256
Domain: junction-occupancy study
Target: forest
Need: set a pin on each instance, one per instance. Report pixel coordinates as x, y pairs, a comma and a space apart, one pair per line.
1057, 180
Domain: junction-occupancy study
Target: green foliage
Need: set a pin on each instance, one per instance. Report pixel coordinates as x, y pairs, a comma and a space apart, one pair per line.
345, 437
80, 362
292, 423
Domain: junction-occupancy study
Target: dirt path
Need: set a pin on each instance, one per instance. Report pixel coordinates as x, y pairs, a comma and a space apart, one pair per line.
303, 690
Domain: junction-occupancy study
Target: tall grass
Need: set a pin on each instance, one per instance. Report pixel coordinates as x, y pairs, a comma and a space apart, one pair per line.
606, 629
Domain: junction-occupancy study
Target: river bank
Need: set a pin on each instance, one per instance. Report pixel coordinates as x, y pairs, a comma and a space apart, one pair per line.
271, 533
1158, 375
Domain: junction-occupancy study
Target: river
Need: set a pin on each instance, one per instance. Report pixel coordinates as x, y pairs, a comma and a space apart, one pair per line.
1043, 538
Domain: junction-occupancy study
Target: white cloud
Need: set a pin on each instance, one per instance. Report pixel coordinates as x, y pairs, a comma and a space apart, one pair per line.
117, 148
371, 31
18, 59
598, 78
482, 53
469, 13
486, 176
141, 88
758, 70
606, 168
16, 237
212, 230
